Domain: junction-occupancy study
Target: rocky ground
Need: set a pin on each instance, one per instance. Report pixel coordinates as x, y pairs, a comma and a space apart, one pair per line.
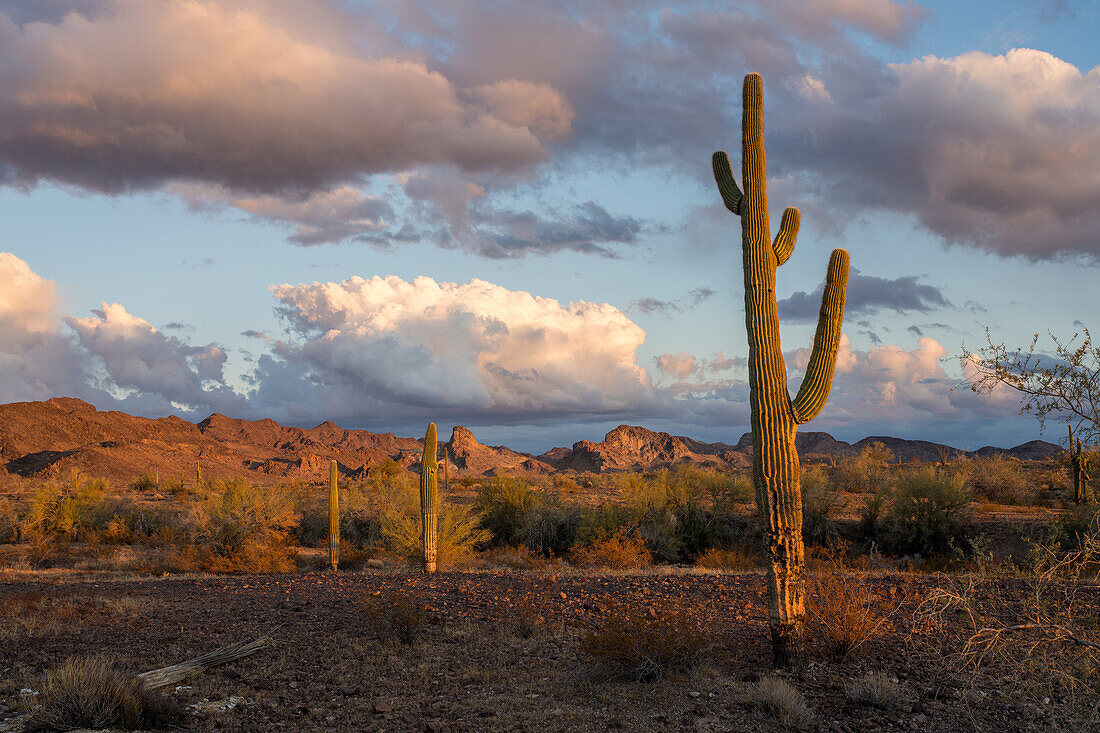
497, 651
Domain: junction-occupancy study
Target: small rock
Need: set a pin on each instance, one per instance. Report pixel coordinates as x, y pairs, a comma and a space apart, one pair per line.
374, 562
348, 689
382, 707
293, 685
694, 693
435, 726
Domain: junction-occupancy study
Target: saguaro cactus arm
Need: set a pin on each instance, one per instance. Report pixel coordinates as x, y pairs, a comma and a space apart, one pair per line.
819, 372
727, 186
733, 199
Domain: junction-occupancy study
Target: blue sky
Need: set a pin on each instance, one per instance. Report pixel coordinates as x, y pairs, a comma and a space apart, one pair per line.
223, 179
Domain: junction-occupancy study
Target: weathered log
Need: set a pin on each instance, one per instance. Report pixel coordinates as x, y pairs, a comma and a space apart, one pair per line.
166, 676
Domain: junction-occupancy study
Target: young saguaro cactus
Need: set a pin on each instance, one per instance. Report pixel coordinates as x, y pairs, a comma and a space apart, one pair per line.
1080, 462
333, 517
775, 416
429, 498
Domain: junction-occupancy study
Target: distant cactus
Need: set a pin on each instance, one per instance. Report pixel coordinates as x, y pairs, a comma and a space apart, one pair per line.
1080, 462
775, 417
429, 498
333, 518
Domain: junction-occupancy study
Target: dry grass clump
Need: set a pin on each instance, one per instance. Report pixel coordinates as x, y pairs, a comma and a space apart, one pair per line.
781, 702
732, 558
90, 692
876, 690
616, 551
843, 612
395, 616
646, 645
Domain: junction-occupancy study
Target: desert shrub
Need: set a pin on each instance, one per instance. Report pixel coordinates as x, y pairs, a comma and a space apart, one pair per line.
645, 646
732, 558
843, 612
144, 482
867, 472
9, 521
364, 508
67, 509
504, 503
820, 502
551, 528
928, 511
782, 703
515, 558
396, 616
872, 513
459, 534
875, 690
679, 513
616, 551
238, 527
1000, 480
90, 692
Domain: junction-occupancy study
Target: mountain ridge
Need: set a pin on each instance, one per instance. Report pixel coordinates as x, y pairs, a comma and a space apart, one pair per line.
64, 433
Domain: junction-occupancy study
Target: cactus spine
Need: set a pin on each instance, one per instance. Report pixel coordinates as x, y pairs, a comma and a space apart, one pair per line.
333, 517
429, 498
1080, 462
775, 417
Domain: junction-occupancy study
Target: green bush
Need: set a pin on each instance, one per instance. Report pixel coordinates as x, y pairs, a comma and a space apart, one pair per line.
504, 503
551, 528
68, 509
928, 511
460, 533
820, 502
236, 526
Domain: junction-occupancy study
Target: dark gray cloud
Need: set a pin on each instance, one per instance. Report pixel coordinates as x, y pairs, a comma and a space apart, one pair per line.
587, 228
699, 295
867, 294
654, 306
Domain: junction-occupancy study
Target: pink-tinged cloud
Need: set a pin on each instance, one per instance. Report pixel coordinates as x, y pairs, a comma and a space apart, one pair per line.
999, 152
240, 95
681, 365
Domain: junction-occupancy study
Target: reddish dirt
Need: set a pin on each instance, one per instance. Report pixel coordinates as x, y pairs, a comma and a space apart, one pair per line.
469, 670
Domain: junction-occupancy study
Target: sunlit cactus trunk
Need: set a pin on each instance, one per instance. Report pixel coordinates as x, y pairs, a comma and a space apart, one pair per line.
429, 499
775, 417
1080, 462
333, 518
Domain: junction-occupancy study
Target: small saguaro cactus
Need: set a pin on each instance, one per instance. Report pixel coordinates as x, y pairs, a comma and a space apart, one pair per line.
775, 416
429, 498
333, 517
1079, 460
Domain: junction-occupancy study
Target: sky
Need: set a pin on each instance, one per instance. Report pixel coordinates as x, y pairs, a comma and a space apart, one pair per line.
502, 215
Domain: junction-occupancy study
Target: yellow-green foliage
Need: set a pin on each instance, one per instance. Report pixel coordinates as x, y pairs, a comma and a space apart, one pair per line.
68, 508
459, 532
866, 473
237, 526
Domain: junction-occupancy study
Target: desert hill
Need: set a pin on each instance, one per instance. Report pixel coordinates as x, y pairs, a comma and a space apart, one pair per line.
63, 433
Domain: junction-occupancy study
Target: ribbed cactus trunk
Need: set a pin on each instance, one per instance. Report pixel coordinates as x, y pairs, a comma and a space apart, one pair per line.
775, 417
333, 518
429, 499
1080, 463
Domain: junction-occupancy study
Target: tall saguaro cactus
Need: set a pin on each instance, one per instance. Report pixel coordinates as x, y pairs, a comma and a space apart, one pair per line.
333, 518
775, 416
429, 499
